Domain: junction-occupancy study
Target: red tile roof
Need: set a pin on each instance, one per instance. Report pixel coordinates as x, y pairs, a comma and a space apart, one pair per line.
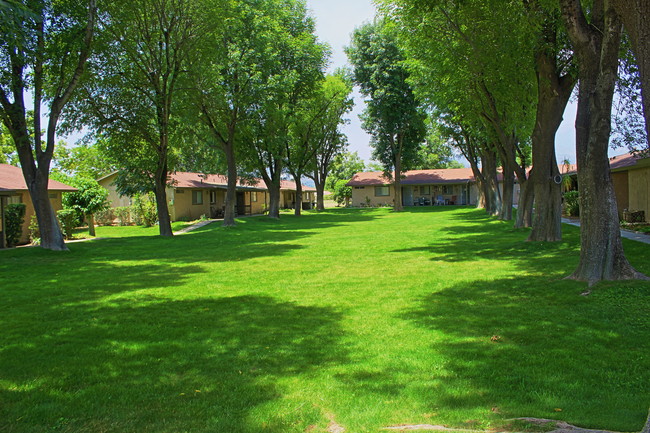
416, 177
11, 178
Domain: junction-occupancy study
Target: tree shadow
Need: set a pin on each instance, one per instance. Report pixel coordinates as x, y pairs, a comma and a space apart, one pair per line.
532, 347
160, 365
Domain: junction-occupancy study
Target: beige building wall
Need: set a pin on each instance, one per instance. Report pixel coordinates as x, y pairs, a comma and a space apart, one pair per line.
114, 198
189, 204
368, 196
639, 188
621, 190
24, 197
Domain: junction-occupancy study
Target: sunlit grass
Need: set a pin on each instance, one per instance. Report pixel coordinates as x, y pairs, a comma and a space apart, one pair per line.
366, 318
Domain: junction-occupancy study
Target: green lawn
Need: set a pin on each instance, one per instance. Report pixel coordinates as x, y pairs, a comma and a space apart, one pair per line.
364, 318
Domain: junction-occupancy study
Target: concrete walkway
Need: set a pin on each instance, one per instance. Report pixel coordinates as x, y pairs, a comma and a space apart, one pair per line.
628, 234
196, 226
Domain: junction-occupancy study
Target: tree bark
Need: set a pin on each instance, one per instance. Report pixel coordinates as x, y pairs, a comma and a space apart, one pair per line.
319, 183
231, 191
298, 207
553, 92
491, 184
160, 191
507, 198
634, 14
525, 204
398, 207
596, 44
91, 224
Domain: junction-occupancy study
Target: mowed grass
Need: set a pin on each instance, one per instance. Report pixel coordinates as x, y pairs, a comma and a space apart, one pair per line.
355, 318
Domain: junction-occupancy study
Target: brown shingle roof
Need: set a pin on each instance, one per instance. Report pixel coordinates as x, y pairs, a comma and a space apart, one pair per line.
197, 180
615, 163
11, 178
416, 177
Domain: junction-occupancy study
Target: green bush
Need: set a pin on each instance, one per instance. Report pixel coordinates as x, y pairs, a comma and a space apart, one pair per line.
123, 214
105, 217
68, 219
144, 210
14, 218
572, 203
34, 231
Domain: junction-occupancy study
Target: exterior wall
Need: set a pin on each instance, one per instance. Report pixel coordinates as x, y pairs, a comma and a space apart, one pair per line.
257, 207
365, 196
114, 198
24, 197
621, 189
639, 191
183, 209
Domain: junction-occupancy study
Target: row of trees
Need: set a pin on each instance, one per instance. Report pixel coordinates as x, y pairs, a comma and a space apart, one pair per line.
235, 85
496, 76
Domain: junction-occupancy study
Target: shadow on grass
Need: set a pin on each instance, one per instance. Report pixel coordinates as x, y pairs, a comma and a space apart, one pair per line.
532, 347
166, 366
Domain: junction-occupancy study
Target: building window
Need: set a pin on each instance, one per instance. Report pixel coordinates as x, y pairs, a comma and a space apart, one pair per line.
180, 191
253, 196
425, 190
382, 191
197, 197
15, 199
52, 195
213, 197
359, 187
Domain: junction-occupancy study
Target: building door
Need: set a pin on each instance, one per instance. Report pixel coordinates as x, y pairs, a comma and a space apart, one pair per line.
241, 203
407, 196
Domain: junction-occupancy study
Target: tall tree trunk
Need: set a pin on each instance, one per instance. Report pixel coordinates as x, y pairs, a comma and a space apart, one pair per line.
91, 224
507, 198
553, 94
319, 183
399, 206
274, 200
160, 191
596, 44
525, 205
491, 184
298, 207
231, 191
51, 235
634, 14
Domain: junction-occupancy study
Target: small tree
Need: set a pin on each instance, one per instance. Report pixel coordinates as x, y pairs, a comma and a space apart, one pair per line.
89, 199
342, 192
68, 221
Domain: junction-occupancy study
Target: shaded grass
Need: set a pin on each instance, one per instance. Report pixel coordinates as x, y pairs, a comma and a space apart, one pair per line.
368, 317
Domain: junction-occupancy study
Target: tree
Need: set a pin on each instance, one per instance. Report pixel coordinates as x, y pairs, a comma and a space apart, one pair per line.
8, 153
344, 166
596, 38
89, 199
435, 152
462, 63
84, 160
132, 91
393, 115
634, 15
295, 68
316, 136
237, 54
555, 83
43, 50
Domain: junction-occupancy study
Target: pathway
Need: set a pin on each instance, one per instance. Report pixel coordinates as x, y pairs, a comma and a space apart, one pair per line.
628, 234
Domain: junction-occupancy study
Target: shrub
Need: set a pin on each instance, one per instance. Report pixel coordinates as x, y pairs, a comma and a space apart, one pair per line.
123, 214
68, 219
572, 203
14, 218
144, 210
34, 231
105, 217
